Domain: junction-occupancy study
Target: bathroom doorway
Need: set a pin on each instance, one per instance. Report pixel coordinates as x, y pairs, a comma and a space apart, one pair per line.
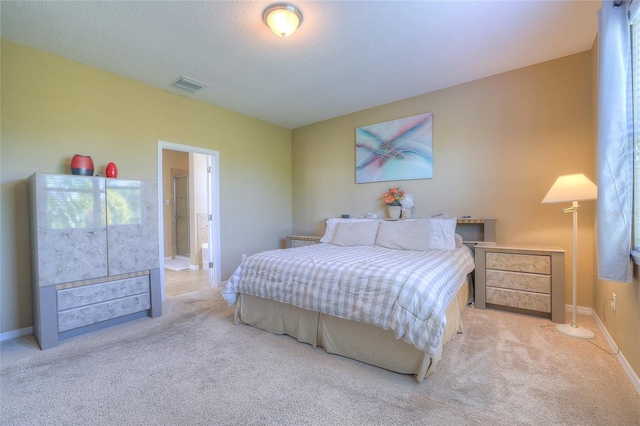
189, 210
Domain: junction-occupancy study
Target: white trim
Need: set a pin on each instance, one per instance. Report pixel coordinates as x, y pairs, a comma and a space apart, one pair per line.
13, 334
607, 336
581, 310
633, 377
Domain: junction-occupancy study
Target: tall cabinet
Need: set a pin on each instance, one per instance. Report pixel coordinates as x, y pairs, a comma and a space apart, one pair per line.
94, 254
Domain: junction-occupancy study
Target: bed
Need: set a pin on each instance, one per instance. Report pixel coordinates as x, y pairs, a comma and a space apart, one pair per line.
386, 293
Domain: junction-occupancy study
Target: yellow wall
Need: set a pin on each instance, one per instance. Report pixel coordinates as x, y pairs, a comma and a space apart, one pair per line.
53, 108
498, 145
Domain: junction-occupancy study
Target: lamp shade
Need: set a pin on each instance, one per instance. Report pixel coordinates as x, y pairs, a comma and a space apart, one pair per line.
282, 18
407, 201
571, 188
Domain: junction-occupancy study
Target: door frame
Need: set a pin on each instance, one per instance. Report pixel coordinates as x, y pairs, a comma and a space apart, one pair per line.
214, 243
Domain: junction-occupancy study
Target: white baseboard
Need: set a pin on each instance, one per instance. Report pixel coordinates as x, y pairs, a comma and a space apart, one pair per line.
194, 267
635, 380
633, 377
579, 309
8, 335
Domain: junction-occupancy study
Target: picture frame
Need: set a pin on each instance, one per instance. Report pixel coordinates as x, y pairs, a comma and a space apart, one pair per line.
400, 149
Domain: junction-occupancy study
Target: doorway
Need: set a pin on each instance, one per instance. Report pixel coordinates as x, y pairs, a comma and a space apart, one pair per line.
191, 198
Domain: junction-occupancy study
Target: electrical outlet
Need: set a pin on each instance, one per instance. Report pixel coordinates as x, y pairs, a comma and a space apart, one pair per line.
613, 301
244, 257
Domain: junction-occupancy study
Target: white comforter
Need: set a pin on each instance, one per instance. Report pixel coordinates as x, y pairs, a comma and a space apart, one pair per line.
400, 290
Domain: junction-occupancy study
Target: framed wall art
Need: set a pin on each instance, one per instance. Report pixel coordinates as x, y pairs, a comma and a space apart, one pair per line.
395, 150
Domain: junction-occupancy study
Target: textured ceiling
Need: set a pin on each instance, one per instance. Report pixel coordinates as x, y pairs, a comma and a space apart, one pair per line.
346, 56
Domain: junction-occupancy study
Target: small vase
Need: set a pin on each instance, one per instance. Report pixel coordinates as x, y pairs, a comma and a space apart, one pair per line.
394, 211
111, 171
82, 165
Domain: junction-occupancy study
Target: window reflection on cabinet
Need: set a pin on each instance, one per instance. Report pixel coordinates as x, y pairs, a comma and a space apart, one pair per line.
94, 253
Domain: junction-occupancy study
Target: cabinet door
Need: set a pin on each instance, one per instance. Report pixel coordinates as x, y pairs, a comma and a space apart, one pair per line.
69, 236
132, 225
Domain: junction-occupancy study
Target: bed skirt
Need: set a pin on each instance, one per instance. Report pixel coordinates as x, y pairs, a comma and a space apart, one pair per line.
363, 342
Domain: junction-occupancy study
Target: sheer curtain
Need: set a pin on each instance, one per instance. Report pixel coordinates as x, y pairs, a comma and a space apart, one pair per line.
615, 148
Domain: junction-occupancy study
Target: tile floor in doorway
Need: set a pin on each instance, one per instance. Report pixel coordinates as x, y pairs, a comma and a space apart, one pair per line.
185, 281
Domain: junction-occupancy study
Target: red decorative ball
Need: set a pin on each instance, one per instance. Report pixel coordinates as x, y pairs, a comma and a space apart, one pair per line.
111, 170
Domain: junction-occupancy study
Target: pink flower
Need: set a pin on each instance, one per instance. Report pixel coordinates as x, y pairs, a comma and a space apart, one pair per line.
393, 197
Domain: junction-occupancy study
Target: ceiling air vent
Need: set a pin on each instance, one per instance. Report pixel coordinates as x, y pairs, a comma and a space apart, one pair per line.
189, 84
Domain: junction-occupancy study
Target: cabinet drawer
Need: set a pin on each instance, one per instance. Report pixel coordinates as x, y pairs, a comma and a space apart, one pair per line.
519, 299
98, 312
89, 294
519, 281
536, 264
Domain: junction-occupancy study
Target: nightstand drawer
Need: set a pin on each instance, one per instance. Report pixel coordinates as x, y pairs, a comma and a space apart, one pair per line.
519, 299
519, 281
519, 262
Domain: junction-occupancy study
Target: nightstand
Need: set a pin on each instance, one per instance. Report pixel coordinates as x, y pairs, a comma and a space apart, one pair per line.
521, 278
301, 240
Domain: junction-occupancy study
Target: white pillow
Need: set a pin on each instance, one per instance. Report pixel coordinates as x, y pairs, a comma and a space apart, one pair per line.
355, 233
330, 227
443, 231
410, 234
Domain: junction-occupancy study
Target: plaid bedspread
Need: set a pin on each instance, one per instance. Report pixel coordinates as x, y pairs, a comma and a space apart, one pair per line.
400, 290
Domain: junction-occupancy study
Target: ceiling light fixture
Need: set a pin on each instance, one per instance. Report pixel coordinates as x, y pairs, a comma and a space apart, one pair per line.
282, 18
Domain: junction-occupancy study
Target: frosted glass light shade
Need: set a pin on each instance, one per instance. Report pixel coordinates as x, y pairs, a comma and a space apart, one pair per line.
407, 201
571, 188
282, 18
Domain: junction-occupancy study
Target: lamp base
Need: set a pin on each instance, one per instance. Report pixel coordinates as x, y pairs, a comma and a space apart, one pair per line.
575, 331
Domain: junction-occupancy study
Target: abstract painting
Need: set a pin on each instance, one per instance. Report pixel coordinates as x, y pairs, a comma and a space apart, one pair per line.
395, 150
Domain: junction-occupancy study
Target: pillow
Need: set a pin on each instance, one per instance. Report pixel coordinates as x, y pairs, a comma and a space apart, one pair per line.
459, 241
330, 227
443, 231
355, 233
410, 234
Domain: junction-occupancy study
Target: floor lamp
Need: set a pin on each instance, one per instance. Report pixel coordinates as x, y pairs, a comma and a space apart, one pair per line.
573, 188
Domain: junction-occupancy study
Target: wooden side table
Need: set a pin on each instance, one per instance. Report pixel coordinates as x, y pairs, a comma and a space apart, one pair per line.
521, 278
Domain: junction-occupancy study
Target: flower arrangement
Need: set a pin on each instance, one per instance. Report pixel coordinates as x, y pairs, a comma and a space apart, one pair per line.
393, 196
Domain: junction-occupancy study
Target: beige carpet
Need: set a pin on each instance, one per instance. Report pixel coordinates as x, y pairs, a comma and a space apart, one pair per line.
185, 281
193, 366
